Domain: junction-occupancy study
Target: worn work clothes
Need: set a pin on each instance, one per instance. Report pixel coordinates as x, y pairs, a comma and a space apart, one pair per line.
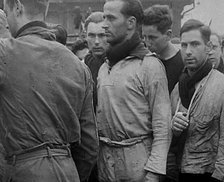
204, 147
133, 101
46, 97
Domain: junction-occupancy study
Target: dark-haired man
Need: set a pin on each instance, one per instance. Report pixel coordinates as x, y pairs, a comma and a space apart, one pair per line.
157, 32
133, 111
46, 101
197, 104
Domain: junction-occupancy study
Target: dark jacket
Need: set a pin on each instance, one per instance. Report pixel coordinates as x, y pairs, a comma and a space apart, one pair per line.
46, 99
94, 63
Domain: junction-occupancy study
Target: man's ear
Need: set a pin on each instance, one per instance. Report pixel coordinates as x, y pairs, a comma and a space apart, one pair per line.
132, 23
209, 47
19, 8
169, 34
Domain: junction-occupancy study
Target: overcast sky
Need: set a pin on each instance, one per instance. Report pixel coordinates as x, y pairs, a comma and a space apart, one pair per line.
206, 11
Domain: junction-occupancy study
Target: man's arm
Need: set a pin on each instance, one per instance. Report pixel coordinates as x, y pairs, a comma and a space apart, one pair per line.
159, 104
85, 154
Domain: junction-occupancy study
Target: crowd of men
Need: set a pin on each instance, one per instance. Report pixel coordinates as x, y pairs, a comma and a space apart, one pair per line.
123, 105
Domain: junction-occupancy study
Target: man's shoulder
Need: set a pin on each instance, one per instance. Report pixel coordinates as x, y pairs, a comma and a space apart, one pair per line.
217, 76
151, 60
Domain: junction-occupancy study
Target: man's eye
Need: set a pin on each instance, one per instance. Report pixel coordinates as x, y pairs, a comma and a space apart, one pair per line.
194, 44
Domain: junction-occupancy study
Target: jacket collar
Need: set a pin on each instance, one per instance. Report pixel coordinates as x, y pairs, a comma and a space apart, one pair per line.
139, 52
36, 28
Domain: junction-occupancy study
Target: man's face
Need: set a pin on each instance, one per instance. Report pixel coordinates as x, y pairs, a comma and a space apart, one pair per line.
96, 38
193, 50
154, 39
115, 23
216, 52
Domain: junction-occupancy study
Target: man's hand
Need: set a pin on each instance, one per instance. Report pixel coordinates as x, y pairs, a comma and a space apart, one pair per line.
179, 123
151, 177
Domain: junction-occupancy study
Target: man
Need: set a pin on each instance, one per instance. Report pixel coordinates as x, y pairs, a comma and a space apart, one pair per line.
46, 96
133, 112
215, 55
98, 45
197, 103
157, 33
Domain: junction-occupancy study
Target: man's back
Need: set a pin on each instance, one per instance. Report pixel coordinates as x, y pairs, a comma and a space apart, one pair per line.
45, 96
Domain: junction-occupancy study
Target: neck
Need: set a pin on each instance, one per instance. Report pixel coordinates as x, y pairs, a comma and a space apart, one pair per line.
168, 52
191, 72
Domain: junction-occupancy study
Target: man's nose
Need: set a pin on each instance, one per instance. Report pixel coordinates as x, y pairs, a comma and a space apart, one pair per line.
105, 25
188, 50
97, 40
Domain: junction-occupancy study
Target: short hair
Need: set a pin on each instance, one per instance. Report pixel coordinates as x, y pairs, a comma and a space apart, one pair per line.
59, 31
95, 17
78, 45
194, 24
33, 7
132, 8
160, 16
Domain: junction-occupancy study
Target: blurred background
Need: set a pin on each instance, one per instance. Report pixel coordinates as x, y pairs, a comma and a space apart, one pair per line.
72, 13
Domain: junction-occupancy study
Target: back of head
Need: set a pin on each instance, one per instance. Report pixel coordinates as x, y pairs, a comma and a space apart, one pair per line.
78, 45
159, 16
194, 24
32, 7
60, 33
95, 17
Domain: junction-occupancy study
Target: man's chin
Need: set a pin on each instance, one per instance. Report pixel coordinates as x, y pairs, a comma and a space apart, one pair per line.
97, 53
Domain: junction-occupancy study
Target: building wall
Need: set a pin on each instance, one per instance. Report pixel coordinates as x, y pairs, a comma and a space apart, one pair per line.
63, 13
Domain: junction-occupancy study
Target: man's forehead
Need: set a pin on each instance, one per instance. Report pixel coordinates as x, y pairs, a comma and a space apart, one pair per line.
191, 35
95, 27
113, 6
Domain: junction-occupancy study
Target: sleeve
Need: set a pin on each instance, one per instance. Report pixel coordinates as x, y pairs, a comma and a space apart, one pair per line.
156, 91
86, 153
219, 165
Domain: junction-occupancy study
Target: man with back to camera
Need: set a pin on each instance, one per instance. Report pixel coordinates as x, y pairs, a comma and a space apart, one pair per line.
46, 101
197, 105
133, 112
157, 32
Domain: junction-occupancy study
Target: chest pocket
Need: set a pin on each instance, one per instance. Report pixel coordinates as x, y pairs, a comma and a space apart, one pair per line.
204, 133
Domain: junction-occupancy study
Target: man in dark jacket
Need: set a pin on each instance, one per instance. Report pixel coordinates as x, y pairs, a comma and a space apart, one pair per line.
97, 44
46, 97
